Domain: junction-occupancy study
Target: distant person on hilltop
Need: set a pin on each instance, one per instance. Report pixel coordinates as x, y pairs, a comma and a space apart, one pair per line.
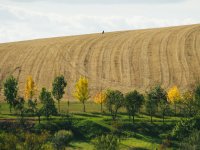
103, 32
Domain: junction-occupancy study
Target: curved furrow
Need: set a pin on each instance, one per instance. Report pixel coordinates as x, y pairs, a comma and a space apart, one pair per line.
165, 71
126, 60
106, 83
114, 68
181, 57
56, 62
106, 58
79, 54
197, 43
146, 60
21, 62
44, 71
174, 65
72, 58
191, 57
179, 35
63, 60
153, 58
101, 62
145, 40
85, 49
88, 50
159, 64
91, 61
6, 50
23, 59
186, 78
8, 57
68, 60
183, 61
118, 58
133, 57
40, 59
32, 61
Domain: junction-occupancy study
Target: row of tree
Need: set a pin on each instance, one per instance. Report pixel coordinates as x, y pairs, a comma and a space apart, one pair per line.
156, 99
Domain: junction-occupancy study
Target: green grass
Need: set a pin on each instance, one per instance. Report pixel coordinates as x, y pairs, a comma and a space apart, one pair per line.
140, 135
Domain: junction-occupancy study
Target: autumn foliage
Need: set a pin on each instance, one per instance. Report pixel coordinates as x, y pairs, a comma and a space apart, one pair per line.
174, 95
100, 98
30, 88
81, 91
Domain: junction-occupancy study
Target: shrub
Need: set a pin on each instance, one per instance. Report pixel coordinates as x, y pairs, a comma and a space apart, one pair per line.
33, 141
107, 142
48, 146
93, 129
185, 127
192, 142
8, 141
62, 138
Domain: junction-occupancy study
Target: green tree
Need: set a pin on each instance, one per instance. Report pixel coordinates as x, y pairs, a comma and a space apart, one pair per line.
59, 85
161, 97
114, 101
157, 97
20, 108
48, 106
10, 91
32, 105
133, 102
151, 104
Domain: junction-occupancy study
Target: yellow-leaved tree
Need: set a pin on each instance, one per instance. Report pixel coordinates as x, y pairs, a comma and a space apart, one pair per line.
30, 88
174, 96
100, 98
81, 91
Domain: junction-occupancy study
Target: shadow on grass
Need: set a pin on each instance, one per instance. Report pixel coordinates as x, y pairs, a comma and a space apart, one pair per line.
132, 148
87, 115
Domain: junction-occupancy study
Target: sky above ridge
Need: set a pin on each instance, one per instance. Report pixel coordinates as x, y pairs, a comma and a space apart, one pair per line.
31, 19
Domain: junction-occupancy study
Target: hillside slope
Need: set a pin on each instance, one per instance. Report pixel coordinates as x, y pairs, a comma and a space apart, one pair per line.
120, 60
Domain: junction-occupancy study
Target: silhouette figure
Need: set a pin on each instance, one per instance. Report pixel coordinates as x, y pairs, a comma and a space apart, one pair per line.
103, 32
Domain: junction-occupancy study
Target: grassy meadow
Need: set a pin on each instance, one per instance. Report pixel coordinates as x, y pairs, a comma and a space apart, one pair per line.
141, 135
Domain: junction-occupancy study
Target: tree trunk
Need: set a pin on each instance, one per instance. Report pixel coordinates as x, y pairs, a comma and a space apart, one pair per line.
163, 117
114, 117
10, 109
133, 118
190, 111
59, 106
83, 106
151, 119
68, 107
39, 119
175, 108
